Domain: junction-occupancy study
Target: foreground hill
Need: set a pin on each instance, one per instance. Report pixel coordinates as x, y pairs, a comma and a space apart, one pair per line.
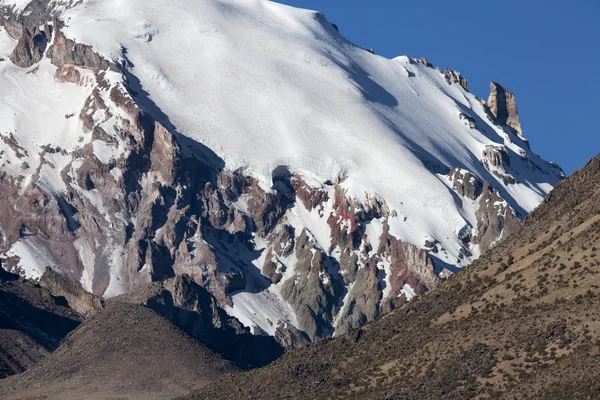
126, 351
161, 340
32, 323
522, 323
309, 184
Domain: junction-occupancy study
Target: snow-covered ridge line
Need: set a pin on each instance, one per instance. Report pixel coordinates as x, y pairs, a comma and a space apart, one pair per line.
280, 165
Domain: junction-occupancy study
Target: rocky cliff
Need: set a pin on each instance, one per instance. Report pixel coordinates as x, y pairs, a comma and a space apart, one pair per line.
33, 321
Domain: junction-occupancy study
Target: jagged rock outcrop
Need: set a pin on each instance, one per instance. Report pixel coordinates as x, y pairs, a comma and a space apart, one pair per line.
527, 305
495, 218
503, 107
465, 183
409, 265
290, 337
313, 292
497, 160
497, 156
130, 199
425, 62
468, 120
283, 238
456, 77
66, 51
31, 46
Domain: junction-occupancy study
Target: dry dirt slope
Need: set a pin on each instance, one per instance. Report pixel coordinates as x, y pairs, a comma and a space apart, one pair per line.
126, 351
522, 323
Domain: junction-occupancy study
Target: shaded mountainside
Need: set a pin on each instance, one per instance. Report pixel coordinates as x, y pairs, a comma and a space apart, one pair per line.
190, 307
32, 323
162, 340
307, 183
125, 351
522, 323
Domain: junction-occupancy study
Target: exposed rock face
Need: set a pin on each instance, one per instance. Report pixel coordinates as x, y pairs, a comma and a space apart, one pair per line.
36, 13
190, 307
314, 291
31, 46
425, 62
465, 183
290, 337
503, 107
473, 326
76, 296
497, 160
470, 121
497, 156
456, 77
66, 51
495, 219
283, 238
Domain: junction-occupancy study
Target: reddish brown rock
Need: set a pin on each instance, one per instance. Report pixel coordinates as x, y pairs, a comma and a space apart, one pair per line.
503, 107
66, 51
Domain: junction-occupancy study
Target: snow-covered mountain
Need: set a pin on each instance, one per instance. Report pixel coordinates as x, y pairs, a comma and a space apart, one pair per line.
308, 183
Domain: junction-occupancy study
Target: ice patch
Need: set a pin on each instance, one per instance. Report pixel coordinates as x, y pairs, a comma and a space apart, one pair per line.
408, 292
88, 259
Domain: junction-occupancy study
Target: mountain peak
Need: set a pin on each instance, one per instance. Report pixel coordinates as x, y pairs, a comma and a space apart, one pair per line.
283, 168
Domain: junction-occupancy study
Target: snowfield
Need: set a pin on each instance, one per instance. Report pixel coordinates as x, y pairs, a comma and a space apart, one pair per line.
264, 85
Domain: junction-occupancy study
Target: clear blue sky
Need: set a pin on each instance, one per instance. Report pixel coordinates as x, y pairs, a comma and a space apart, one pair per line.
546, 51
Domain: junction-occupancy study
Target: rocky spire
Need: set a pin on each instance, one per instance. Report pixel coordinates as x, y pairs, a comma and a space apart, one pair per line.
503, 106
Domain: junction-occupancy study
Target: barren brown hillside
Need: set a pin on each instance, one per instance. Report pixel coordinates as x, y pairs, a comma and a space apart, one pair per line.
523, 322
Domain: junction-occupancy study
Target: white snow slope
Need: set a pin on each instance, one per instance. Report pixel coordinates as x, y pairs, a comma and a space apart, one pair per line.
267, 85
263, 85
